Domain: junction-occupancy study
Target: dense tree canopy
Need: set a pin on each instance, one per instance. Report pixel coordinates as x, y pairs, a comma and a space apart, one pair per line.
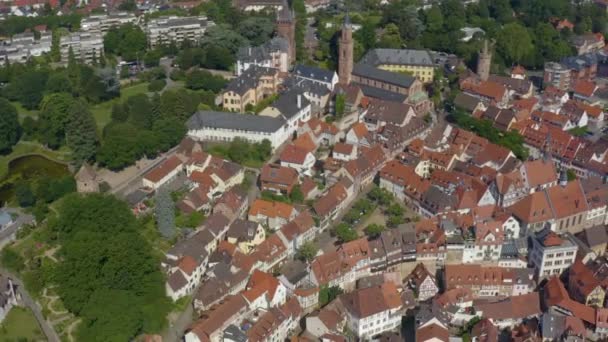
127, 41
9, 126
107, 273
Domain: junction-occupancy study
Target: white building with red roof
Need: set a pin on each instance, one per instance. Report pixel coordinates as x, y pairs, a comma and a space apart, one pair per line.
163, 173
298, 158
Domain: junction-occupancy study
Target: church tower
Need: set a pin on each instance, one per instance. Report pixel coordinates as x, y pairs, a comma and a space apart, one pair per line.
345, 60
286, 28
484, 62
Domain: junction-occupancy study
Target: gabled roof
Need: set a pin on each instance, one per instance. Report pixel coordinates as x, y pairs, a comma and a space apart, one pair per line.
293, 154
373, 300
161, 171
370, 72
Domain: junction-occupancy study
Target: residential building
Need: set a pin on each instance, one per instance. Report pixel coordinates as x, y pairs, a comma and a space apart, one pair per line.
417, 63
292, 106
272, 54
551, 254
392, 248
373, 310
246, 235
172, 29
163, 173
278, 179
557, 75
271, 214
85, 46
9, 296
584, 285
224, 127
589, 42
489, 281
104, 22
23, 46
320, 76
508, 312
249, 88
298, 158
422, 282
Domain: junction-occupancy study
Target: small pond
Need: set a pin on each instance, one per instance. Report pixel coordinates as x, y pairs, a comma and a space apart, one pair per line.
29, 168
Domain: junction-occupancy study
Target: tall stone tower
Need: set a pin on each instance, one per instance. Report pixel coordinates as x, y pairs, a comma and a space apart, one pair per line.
484, 62
286, 28
345, 60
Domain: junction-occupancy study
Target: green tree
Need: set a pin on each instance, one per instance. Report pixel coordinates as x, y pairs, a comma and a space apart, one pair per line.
81, 132
307, 251
328, 294
514, 42
10, 131
53, 119
12, 260
296, 195
127, 41
345, 233
366, 35
373, 230
256, 29
391, 38
108, 274
434, 19
58, 82
120, 112
140, 111
24, 195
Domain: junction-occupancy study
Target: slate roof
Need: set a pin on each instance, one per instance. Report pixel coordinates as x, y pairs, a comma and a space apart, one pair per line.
287, 103
382, 94
262, 52
368, 71
377, 57
322, 75
466, 101
236, 121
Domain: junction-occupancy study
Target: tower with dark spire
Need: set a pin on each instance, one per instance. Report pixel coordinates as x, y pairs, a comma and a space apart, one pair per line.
286, 28
345, 60
484, 62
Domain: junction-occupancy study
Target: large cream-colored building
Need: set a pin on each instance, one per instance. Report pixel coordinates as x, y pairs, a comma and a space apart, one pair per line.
417, 63
255, 84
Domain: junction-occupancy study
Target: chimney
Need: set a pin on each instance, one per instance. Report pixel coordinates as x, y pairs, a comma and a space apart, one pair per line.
299, 101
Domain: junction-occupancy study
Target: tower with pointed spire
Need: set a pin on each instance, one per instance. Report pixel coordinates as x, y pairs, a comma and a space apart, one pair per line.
484, 62
286, 28
345, 60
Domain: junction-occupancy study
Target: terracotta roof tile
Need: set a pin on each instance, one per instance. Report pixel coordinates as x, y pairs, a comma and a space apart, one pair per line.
159, 172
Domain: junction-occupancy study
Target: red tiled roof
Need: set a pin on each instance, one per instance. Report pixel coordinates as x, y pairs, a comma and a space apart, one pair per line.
585, 88
293, 154
159, 172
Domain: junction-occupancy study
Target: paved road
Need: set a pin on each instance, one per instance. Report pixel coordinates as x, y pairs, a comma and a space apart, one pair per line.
135, 182
6, 234
175, 332
27, 300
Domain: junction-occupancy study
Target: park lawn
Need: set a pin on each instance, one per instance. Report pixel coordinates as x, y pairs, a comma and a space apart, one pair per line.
102, 111
31, 147
23, 113
20, 324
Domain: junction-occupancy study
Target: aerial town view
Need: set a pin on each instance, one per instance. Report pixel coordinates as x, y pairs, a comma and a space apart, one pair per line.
303, 170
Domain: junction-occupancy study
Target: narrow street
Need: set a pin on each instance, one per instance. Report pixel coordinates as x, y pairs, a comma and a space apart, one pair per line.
27, 301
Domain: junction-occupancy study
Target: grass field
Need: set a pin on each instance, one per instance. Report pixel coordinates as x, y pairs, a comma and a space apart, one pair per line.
20, 324
102, 111
30, 147
23, 113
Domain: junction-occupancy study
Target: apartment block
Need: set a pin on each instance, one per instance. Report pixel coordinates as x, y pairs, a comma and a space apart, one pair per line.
164, 30
84, 45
